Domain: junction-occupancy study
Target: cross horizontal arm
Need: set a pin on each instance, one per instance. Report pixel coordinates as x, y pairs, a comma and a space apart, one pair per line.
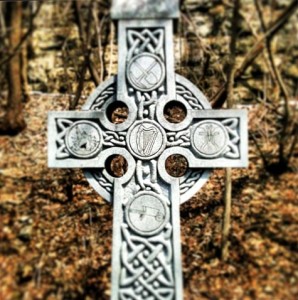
219, 138
215, 139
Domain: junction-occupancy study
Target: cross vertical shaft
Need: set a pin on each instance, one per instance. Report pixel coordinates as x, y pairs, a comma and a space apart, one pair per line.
146, 73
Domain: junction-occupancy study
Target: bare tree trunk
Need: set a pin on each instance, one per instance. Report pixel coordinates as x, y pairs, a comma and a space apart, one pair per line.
13, 121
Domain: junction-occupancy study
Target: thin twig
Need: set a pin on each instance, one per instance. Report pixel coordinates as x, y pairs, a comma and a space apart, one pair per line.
230, 92
2, 20
295, 141
266, 100
263, 157
187, 17
257, 36
85, 37
98, 27
281, 85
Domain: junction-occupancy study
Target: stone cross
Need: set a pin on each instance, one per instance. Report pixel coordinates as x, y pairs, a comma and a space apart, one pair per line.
146, 255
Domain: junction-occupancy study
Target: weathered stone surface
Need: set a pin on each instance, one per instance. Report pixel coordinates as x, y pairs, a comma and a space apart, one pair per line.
146, 261
144, 9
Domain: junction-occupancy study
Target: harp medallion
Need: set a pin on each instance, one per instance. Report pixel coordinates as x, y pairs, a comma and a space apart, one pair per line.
146, 139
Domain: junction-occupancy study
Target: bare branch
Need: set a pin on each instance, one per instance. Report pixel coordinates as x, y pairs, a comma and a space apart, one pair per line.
85, 39
16, 49
276, 73
98, 27
220, 97
263, 157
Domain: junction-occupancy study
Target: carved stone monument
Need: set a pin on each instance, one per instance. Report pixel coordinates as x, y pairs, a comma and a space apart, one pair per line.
146, 256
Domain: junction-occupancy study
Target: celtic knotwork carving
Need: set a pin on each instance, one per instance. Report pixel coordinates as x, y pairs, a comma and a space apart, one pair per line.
102, 180
189, 180
188, 96
232, 126
102, 98
147, 40
180, 138
146, 198
62, 128
146, 176
146, 104
112, 138
146, 266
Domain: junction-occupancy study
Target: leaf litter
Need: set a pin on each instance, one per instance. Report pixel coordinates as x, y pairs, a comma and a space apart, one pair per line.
56, 231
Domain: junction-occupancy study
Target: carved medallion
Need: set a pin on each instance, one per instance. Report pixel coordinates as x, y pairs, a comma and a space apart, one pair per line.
147, 213
83, 139
146, 139
210, 138
145, 72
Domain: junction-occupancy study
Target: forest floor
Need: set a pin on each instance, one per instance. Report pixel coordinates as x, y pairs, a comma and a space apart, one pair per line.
55, 237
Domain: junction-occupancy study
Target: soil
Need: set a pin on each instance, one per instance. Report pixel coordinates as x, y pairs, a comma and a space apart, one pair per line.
56, 231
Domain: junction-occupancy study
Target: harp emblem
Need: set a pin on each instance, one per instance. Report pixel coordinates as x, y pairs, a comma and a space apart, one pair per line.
146, 138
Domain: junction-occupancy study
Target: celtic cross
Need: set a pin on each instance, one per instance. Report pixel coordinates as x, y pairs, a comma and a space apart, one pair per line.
146, 255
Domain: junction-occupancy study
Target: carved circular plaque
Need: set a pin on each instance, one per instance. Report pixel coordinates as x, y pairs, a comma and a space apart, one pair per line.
83, 139
145, 72
146, 139
147, 214
209, 138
